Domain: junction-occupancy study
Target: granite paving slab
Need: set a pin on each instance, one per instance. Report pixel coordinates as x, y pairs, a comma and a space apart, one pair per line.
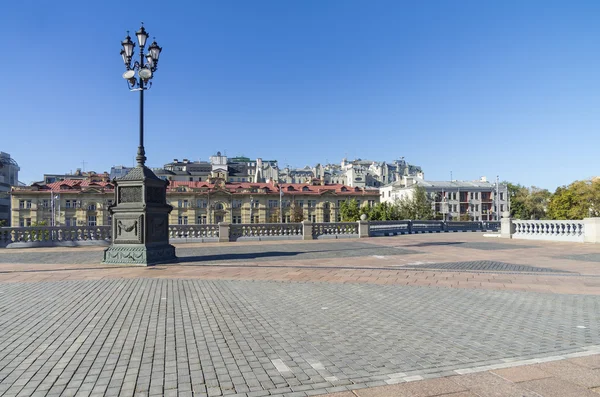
216, 338
490, 266
219, 254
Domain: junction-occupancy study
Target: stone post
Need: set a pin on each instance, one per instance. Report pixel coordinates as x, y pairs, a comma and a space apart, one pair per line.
591, 230
363, 228
307, 230
507, 228
140, 220
223, 232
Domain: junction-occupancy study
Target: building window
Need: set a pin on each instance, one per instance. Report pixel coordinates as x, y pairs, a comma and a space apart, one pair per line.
201, 203
371, 203
471, 195
68, 204
109, 220
501, 207
287, 219
92, 207
254, 219
312, 203
273, 203
236, 204
21, 205
255, 203
182, 220
201, 220
24, 222
191, 179
45, 203
92, 220
476, 207
312, 218
300, 203
236, 219
501, 195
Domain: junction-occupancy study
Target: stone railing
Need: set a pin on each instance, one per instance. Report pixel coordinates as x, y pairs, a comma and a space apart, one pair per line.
335, 230
549, 230
193, 233
48, 236
265, 231
100, 235
586, 230
390, 228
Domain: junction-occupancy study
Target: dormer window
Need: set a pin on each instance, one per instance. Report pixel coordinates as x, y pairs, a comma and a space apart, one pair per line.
305, 189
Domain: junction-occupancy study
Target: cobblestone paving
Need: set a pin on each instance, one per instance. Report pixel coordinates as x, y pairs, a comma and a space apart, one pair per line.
494, 246
486, 246
216, 254
253, 338
490, 266
581, 257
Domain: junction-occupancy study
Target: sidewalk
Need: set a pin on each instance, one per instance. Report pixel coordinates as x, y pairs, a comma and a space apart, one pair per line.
451, 314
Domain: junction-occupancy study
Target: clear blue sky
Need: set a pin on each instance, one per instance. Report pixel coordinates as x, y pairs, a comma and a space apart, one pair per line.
507, 88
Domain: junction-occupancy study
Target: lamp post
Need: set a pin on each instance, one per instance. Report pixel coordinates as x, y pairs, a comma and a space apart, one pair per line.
140, 213
145, 69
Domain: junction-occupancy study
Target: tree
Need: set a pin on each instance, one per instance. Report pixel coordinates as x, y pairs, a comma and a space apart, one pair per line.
536, 203
421, 204
350, 211
528, 203
296, 213
418, 207
2, 223
579, 200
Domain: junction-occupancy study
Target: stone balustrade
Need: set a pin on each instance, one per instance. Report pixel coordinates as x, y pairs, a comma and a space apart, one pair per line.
48, 236
266, 231
559, 230
193, 233
100, 235
335, 230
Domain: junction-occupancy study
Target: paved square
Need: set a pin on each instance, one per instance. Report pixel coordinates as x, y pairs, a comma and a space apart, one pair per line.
487, 266
294, 318
121, 337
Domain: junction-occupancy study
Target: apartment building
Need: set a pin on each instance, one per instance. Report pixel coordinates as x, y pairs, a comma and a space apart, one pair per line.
454, 200
86, 203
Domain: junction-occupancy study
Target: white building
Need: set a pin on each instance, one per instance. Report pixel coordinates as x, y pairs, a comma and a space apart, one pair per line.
453, 200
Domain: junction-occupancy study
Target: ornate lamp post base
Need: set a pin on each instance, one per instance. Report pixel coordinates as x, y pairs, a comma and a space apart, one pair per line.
140, 221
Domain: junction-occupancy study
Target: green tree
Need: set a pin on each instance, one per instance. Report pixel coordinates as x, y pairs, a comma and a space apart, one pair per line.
528, 203
296, 213
350, 211
536, 203
418, 207
421, 204
579, 200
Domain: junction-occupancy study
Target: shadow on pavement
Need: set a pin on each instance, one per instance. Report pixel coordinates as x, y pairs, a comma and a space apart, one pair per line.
239, 256
433, 243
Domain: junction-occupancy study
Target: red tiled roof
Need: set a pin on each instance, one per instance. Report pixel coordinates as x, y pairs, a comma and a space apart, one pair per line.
288, 188
68, 184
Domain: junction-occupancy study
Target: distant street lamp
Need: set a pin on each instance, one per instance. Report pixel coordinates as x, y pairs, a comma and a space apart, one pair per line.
145, 69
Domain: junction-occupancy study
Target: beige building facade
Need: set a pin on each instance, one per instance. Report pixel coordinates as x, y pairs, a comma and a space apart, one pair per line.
86, 203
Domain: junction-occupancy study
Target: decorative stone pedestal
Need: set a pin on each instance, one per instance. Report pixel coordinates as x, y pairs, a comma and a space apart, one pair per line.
140, 220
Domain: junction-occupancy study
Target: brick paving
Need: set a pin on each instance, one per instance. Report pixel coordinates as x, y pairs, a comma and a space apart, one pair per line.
395, 316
